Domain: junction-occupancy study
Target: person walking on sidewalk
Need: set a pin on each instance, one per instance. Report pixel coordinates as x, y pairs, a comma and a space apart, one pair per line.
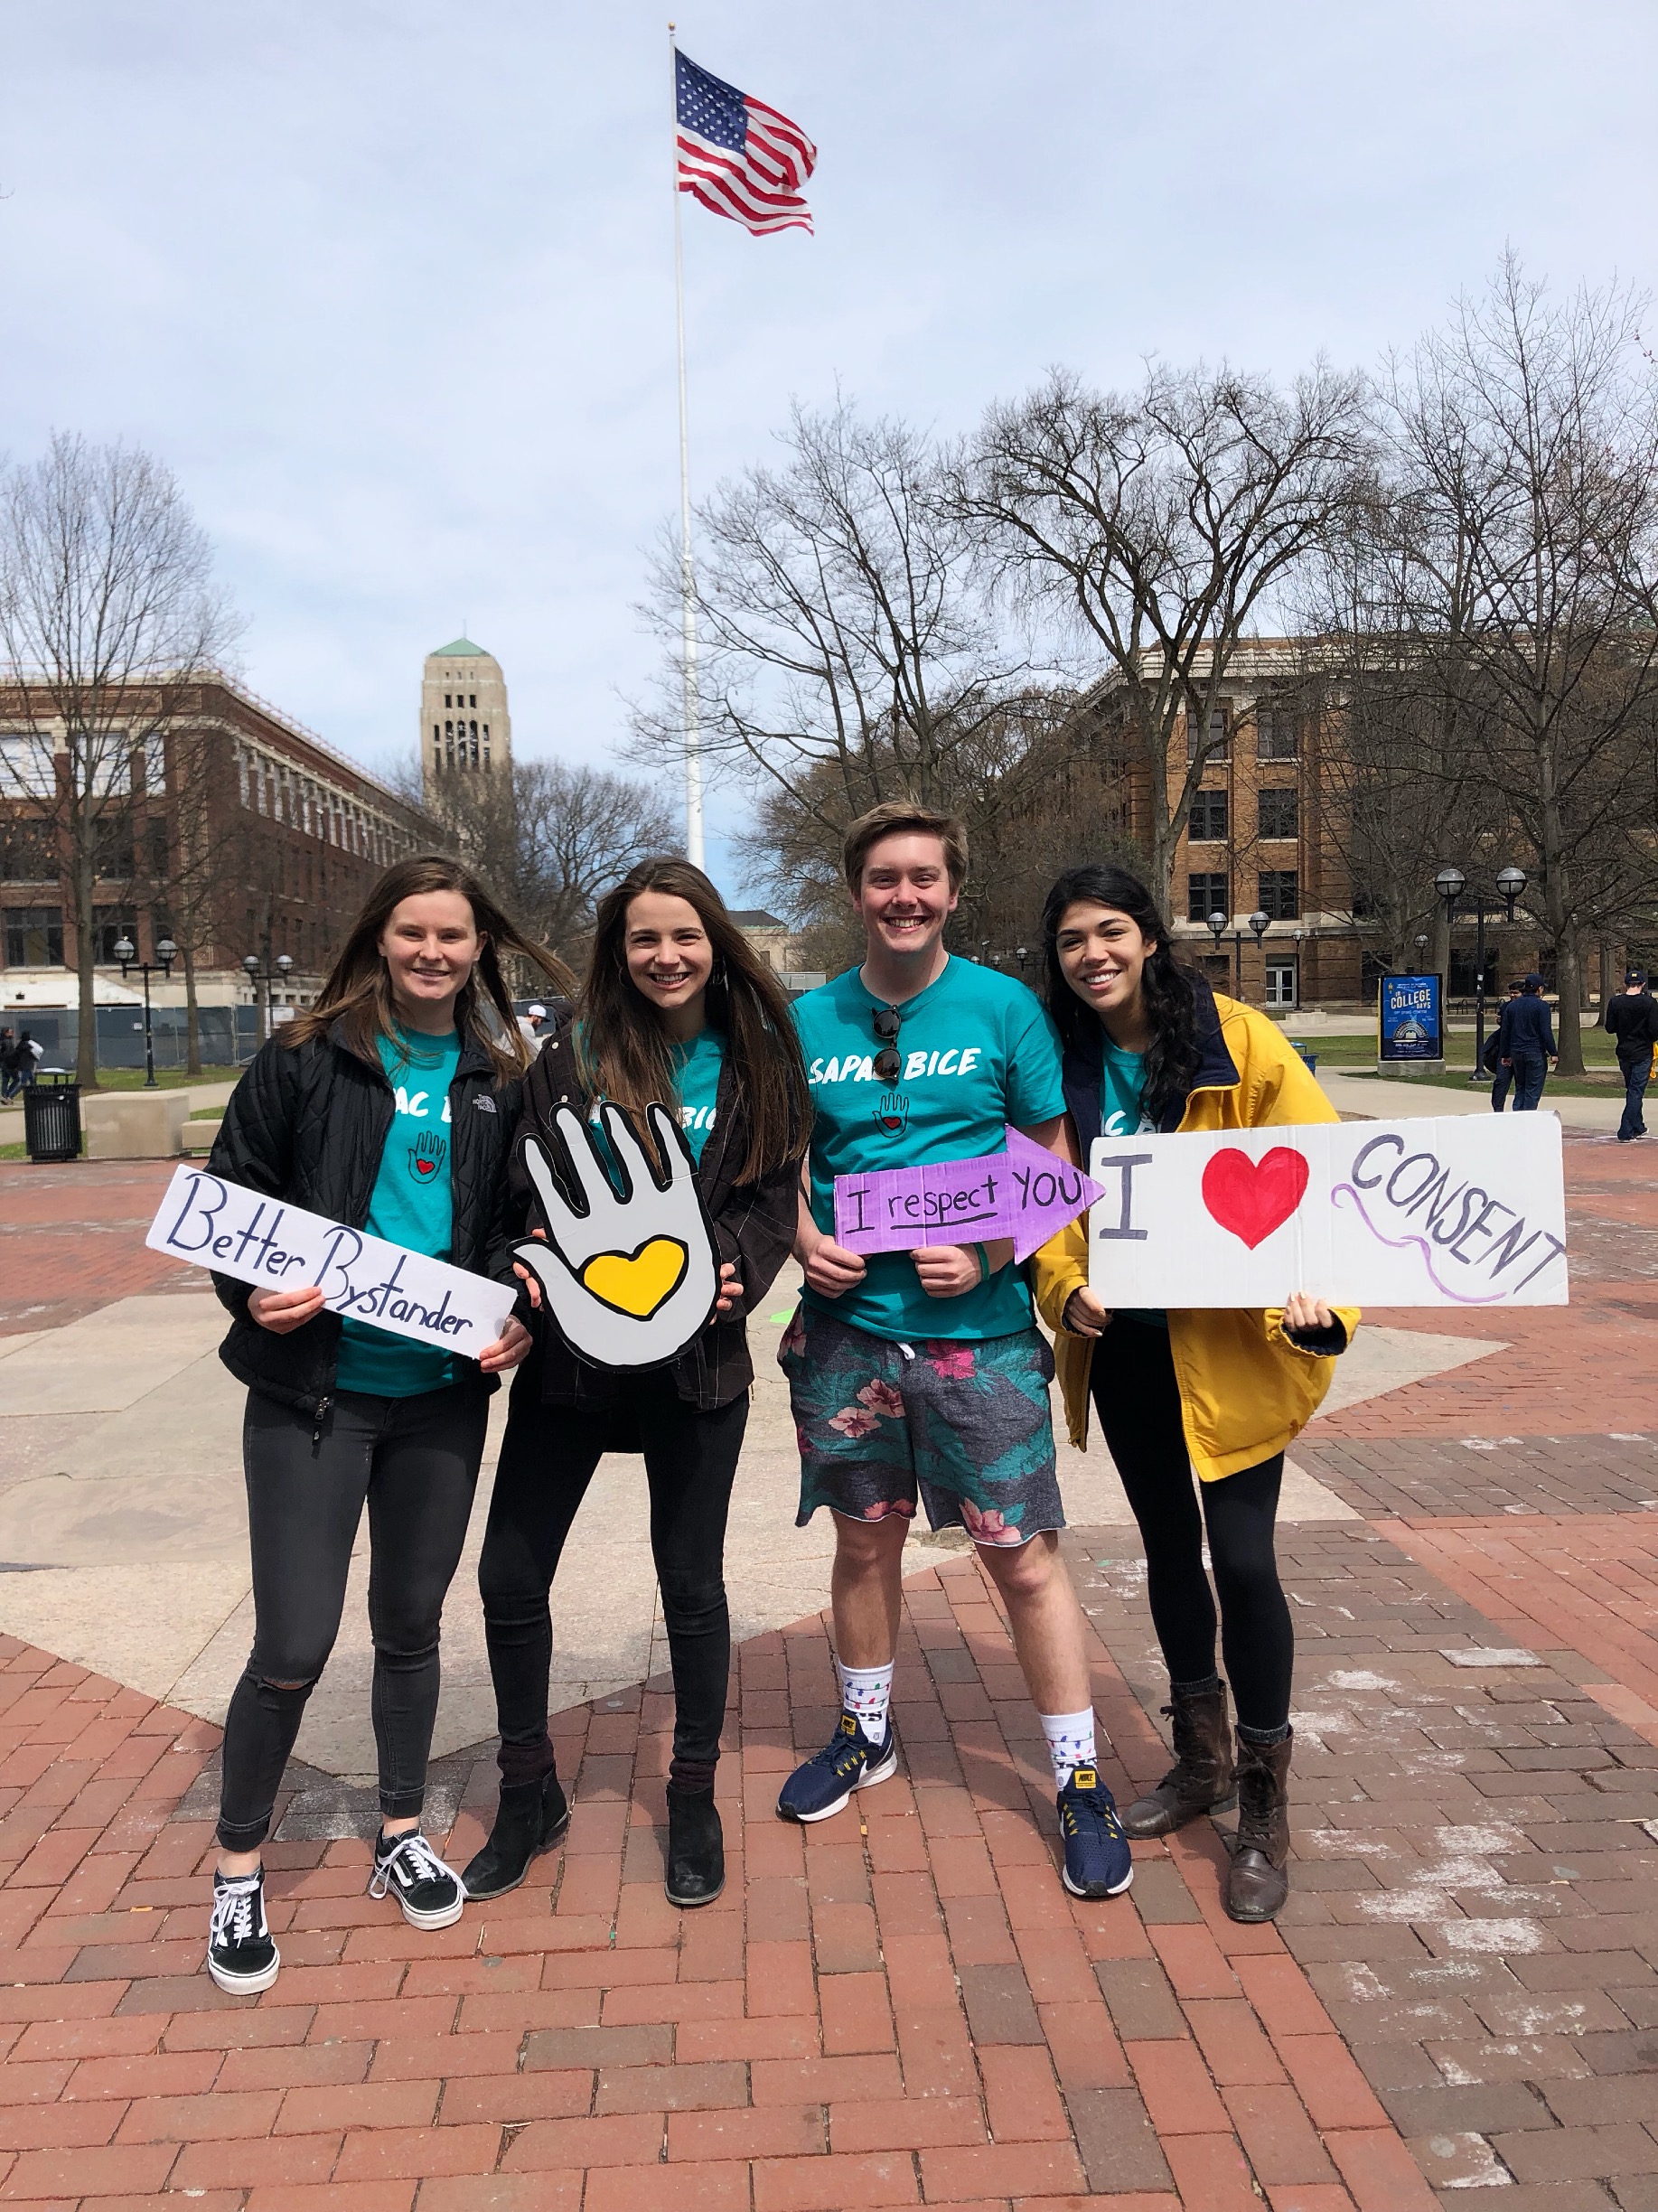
1526, 1043
387, 1105
1631, 1016
1502, 1075
678, 1008
922, 1373
1213, 1391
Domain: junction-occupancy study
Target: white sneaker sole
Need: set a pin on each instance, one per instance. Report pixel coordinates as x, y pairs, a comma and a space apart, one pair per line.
1087, 1897
243, 1985
883, 1772
444, 1916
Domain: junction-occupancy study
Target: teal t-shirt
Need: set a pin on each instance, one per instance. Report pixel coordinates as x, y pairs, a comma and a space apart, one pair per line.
410, 1206
1122, 1113
696, 1067
977, 1052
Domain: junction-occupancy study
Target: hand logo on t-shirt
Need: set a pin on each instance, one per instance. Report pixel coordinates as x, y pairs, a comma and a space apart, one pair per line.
891, 1113
425, 1156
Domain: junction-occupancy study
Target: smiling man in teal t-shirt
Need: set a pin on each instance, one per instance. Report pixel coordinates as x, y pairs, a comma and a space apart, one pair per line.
921, 1376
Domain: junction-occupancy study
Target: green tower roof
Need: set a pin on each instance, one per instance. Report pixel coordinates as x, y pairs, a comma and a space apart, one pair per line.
462, 647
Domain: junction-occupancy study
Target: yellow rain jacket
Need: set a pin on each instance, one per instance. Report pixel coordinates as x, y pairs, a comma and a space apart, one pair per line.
1246, 1389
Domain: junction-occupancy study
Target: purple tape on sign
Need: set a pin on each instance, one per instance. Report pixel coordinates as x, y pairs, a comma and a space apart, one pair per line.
1024, 1193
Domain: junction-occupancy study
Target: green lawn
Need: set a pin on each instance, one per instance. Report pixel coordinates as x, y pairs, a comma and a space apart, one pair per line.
166, 1079
1358, 1054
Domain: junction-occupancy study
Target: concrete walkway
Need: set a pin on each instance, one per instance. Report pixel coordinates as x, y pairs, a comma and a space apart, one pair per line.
1383, 1100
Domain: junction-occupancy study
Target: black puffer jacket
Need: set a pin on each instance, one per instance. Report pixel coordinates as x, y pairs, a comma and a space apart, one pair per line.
753, 1225
307, 1124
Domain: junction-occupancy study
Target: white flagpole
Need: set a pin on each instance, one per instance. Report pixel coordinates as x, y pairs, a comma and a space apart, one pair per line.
688, 582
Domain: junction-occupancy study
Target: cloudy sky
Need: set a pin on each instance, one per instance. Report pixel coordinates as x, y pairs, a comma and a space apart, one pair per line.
389, 283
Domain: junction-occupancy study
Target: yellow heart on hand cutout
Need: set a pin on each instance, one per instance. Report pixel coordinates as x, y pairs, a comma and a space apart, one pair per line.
637, 1282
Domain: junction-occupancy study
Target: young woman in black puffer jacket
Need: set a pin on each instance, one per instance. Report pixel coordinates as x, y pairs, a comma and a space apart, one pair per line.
390, 1106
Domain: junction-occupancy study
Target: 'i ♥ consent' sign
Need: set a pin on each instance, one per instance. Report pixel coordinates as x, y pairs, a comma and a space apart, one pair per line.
1465, 1210
234, 1231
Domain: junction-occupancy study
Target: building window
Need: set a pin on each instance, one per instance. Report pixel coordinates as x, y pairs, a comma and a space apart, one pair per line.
35, 936
1276, 735
1279, 812
1279, 894
1216, 748
472, 699
1205, 894
1207, 821
110, 925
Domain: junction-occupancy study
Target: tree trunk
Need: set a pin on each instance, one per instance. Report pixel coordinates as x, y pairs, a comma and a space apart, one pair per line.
86, 1044
192, 1023
1568, 1013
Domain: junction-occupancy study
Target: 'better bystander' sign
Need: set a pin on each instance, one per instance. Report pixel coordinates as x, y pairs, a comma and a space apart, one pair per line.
221, 1226
1469, 1211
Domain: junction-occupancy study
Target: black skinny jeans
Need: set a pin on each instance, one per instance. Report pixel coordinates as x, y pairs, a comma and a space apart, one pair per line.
1137, 1400
548, 1459
415, 1462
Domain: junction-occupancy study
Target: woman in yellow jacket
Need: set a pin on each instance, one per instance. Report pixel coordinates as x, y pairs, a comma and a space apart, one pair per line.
1217, 1392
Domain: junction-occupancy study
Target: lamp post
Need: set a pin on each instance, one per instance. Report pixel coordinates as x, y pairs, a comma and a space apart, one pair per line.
273, 971
1217, 922
166, 952
1450, 883
1300, 941
1024, 953
1259, 923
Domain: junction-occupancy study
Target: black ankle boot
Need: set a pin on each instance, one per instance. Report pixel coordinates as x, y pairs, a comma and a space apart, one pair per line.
531, 1817
696, 1848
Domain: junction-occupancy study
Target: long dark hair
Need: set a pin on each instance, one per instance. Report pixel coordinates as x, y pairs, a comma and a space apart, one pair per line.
358, 992
1171, 1000
622, 1050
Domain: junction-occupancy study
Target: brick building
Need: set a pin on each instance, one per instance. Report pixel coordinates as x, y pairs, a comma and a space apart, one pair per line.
241, 832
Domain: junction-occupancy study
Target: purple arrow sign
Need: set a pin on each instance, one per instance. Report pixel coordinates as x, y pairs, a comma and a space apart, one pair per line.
1023, 1192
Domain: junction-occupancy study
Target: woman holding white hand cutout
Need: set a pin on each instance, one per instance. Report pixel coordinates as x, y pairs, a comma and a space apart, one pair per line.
387, 1105
677, 1012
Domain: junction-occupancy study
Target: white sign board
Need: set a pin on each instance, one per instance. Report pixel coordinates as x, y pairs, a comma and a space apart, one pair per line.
1466, 1210
234, 1231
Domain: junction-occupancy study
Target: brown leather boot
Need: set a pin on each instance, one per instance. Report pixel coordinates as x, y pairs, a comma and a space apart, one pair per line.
1201, 1778
1257, 1880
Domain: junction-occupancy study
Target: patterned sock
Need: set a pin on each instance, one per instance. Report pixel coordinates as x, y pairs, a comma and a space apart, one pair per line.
867, 1692
1071, 1742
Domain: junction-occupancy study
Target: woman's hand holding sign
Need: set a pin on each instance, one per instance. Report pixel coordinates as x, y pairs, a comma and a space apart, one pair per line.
283, 1311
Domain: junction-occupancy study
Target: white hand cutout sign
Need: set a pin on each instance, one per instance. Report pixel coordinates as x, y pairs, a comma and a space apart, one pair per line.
629, 1281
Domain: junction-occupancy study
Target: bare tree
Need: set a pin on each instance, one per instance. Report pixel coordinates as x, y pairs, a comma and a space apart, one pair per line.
1524, 448
550, 839
108, 611
1158, 524
848, 652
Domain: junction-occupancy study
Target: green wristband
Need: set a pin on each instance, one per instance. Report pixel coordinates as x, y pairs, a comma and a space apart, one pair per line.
983, 1263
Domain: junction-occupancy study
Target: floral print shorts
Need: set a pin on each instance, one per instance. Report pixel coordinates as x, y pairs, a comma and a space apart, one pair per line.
964, 1425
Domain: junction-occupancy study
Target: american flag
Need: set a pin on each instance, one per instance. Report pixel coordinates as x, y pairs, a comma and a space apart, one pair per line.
738, 156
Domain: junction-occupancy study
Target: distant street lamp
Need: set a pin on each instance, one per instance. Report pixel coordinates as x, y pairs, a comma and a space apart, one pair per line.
166, 952
1024, 953
1450, 882
273, 971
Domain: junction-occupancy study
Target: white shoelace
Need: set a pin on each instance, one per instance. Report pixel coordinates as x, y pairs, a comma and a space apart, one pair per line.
423, 1864
233, 1907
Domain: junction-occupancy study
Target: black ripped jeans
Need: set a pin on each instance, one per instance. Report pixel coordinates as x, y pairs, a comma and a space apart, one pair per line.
414, 1461
548, 1459
1137, 1400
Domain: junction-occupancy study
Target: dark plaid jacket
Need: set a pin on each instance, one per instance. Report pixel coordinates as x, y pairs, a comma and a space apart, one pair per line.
754, 1226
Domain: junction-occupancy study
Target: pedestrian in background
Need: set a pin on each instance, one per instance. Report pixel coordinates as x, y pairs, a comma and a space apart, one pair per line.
11, 1076
1496, 1066
1631, 1016
1526, 1043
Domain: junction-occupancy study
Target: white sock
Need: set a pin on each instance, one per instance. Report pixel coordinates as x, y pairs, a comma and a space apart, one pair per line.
867, 1692
1071, 1742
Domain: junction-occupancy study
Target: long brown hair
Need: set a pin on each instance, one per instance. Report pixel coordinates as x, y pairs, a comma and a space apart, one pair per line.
358, 992
623, 1051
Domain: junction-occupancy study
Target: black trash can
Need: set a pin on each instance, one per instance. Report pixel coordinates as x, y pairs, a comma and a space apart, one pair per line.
52, 1119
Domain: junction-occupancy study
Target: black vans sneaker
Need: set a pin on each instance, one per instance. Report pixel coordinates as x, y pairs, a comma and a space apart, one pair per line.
240, 1955
429, 1892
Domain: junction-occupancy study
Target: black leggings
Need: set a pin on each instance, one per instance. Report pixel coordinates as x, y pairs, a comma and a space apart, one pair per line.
1137, 1400
416, 1461
548, 1459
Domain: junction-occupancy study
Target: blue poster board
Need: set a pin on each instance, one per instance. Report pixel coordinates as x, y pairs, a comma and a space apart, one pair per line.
1410, 1024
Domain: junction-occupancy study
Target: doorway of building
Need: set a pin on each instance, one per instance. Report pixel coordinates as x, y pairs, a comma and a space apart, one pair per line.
1283, 984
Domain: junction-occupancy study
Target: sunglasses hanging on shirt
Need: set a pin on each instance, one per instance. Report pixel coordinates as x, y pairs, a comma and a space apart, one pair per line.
887, 1063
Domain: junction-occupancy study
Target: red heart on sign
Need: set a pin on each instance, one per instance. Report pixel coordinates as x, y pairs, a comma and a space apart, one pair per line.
1254, 1197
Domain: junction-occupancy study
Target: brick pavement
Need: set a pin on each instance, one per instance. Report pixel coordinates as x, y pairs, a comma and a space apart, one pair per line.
71, 1239
904, 2008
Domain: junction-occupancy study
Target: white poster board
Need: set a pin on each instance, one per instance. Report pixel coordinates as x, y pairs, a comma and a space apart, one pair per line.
234, 1231
1466, 1210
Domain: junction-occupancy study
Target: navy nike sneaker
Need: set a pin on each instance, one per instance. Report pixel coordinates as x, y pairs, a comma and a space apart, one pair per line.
1098, 1862
847, 1762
